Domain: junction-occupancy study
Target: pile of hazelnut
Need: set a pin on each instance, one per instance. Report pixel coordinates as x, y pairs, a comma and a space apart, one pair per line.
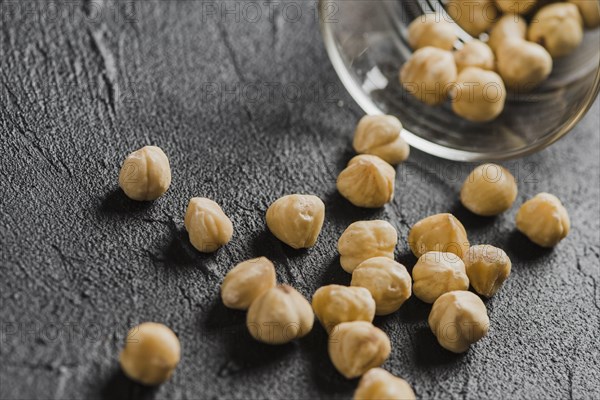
517, 55
447, 263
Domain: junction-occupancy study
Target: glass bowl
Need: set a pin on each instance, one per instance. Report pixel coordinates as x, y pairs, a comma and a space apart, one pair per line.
367, 44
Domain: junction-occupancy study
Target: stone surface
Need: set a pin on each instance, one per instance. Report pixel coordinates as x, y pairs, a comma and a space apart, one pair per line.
80, 263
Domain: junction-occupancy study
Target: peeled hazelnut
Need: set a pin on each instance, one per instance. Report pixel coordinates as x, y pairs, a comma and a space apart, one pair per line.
208, 226
458, 319
516, 6
279, 316
428, 75
388, 281
479, 95
246, 282
544, 220
487, 268
366, 239
489, 190
474, 54
558, 27
437, 273
433, 30
523, 65
334, 304
296, 220
378, 384
367, 181
474, 16
508, 26
440, 232
379, 135
151, 353
145, 174
355, 347
590, 11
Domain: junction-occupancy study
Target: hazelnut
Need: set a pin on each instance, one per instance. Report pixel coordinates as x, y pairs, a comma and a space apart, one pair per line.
489, 190
437, 273
516, 6
246, 282
379, 135
474, 54
357, 346
474, 16
378, 384
296, 220
479, 95
367, 181
366, 239
458, 319
279, 316
487, 268
523, 65
508, 26
388, 281
544, 220
428, 75
440, 232
151, 353
558, 27
208, 226
334, 304
145, 174
433, 30
590, 12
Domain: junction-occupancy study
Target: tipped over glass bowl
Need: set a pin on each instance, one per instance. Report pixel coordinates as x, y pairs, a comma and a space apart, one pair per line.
367, 43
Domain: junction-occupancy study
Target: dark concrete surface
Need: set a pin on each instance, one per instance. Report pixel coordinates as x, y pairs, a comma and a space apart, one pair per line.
83, 84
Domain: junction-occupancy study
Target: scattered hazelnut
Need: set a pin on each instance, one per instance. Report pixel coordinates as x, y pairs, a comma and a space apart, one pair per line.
151, 353
334, 304
516, 6
440, 232
474, 16
431, 29
523, 65
357, 346
388, 281
367, 181
246, 282
378, 384
208, 226
379, 135
479, 95
590, 12
487, 268
474, 54
544, 220
437, 273
279, 315
489, 190
458, 319
296, 220
428, 74
558, 27
508, 26
145, 174
366, 239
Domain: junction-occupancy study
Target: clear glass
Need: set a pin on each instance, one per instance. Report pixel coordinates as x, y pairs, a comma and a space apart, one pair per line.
367, 44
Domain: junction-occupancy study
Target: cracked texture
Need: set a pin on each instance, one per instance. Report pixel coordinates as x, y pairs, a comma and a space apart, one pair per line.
81, 264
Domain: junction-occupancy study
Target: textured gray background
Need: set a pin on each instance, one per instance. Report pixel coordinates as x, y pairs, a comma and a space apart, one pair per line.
83, 85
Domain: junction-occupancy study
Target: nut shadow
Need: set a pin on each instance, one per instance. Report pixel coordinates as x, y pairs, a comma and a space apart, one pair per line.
335, 274
119, 387
413, 310
244, 353
520, 247
469, 220
117, 203
428, 351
